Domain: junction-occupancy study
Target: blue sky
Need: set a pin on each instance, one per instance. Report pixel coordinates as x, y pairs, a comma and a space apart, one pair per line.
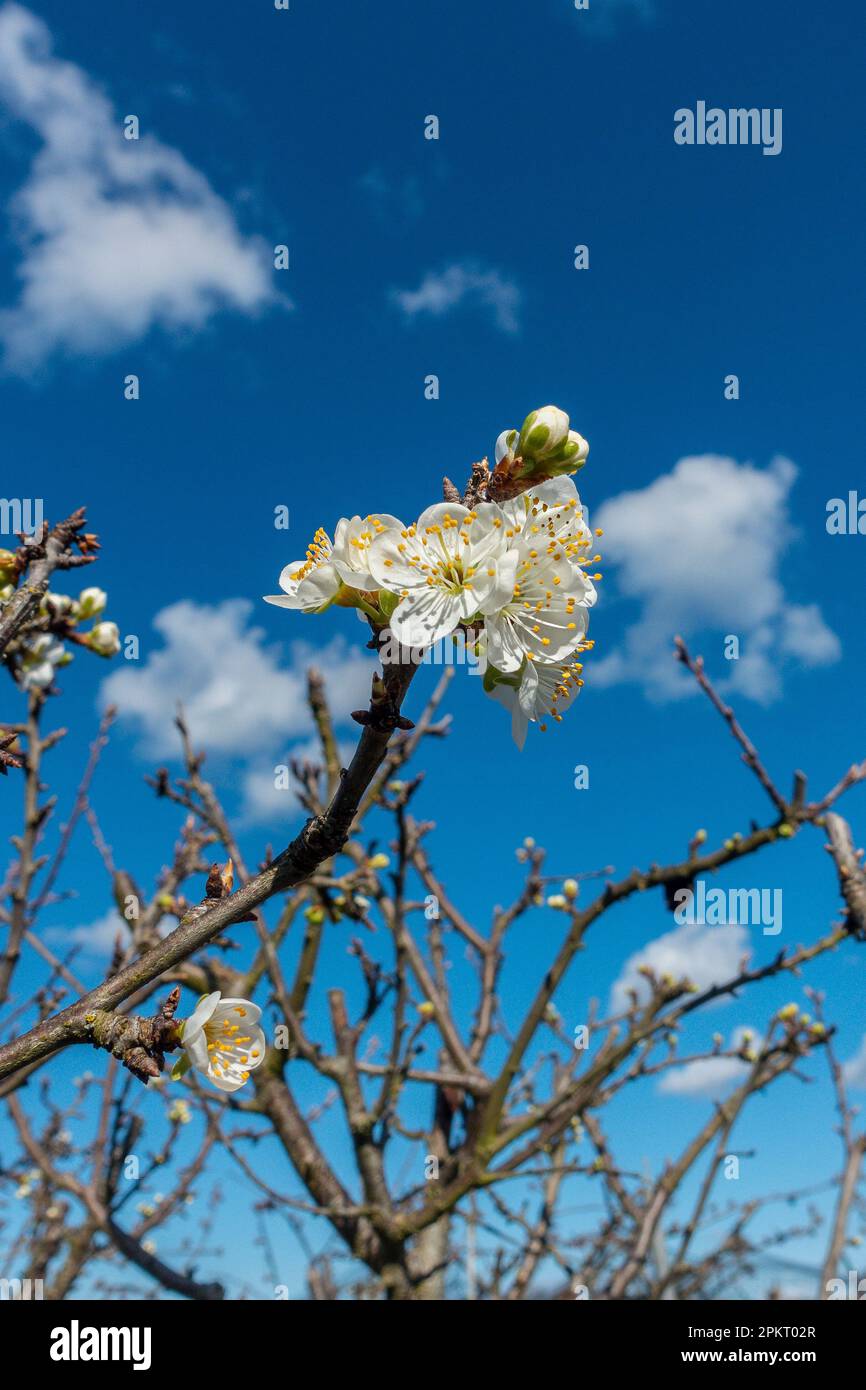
305, 388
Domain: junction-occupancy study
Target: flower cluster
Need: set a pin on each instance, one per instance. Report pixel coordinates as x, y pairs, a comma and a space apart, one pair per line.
40, 650
510, 573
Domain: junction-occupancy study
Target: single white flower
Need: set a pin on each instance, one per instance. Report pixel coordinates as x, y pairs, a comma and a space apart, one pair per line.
541, 691
91, 602
442, 569
104, 639
551, 509
539, 607
309, 584
352, 541
222, 1039
313, 583
40, 657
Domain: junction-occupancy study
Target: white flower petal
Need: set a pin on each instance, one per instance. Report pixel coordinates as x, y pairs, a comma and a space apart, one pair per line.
201, 1014
423, 620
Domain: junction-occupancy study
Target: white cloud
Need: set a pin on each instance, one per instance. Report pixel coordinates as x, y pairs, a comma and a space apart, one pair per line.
117, 235
267, 803
705, 955
96, 938
700, 549
460, 285
855, 1068
707, 1079
237, 698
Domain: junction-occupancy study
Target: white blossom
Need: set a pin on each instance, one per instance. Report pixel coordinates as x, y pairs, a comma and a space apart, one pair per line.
352, 541
539, 607
441, 570
313, 583
542, 691
40, 656
222, 1039
310, 584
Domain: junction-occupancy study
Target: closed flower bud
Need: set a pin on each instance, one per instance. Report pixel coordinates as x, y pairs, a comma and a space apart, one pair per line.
544, 432
570, 888
557, 900
426, 1010
104, 639
91, 602
505, 445
379, 861
56, 605
570, 456
8, 567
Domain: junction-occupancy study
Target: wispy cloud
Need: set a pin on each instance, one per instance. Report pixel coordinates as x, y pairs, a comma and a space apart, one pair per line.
239, 699
116, 235
464, 285
96, 938
705, 955
266, 797
700, 550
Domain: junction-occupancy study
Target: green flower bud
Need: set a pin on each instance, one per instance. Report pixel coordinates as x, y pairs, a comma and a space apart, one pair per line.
8, 568
570, 456
104, 639
544, 432
506, 445
91, 602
